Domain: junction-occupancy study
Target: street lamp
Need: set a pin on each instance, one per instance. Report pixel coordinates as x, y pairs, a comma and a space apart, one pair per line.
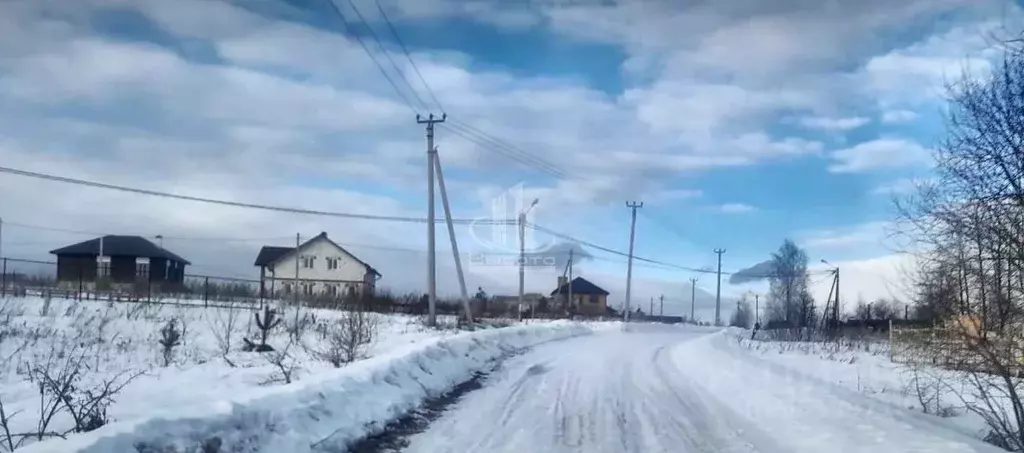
522, 253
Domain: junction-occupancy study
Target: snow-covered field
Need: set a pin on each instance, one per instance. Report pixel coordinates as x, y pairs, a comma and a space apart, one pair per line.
865, 369
206, 382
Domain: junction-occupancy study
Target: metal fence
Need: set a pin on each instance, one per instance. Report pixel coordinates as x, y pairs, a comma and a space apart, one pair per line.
955, 348
22, 277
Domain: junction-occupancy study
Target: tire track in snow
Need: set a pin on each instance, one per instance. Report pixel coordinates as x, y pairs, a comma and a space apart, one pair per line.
609, 393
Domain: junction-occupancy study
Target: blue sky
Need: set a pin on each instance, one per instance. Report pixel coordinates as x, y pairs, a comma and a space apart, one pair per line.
738, 125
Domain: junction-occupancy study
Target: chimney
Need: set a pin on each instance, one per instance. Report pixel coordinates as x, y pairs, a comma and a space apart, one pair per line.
562, 280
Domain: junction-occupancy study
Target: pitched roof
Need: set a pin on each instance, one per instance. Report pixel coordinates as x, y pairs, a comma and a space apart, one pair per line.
115, 245
580, 285
269, 254
272, 254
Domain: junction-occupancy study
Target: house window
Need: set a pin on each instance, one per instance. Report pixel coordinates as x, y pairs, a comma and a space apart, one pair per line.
307, 262
333, 263
142, 268
594, 298
103, 266
331, 290
287, 288
307, 289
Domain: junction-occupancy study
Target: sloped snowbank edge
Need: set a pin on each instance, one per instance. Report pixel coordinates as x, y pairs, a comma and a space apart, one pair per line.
324, 412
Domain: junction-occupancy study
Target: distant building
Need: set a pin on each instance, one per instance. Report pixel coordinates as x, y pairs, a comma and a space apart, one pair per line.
118, 260
324, 269
588, 299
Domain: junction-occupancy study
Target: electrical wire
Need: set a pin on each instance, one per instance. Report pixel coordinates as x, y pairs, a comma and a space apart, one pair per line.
383, 72
493, 222
489, 142
408, 56
380, 45
237, 204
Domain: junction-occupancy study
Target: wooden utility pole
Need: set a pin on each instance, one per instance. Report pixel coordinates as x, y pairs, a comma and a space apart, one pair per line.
431, 256
629, 267
661, 309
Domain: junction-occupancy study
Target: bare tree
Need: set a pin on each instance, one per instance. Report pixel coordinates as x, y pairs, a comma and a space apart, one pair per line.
789, 301
284, 360
968, 227
346, 339
224, 324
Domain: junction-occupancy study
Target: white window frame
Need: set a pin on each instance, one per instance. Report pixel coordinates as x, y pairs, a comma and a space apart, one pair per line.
331, 289
333, 263
103, 266
308, 261
142, 269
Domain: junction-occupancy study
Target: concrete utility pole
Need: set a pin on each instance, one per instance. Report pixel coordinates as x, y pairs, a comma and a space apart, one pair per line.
718, 292
650, 308
431, 257
569, 283
522, 254
661, 309
835, 283
629, 267
693, 298
451, 237
295, 292
757, 308
835, 309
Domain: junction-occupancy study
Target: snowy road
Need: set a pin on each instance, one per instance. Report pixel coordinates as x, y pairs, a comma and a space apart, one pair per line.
660, 389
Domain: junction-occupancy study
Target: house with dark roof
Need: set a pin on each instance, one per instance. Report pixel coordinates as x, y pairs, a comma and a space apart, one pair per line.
317, 267
580, 297
118, 260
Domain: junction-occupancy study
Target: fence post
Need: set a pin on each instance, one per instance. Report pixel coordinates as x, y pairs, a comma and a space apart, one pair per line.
206, 292
3, 280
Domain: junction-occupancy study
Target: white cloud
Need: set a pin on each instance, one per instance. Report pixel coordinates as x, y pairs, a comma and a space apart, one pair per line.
882, 277
921, 72
869, 234
834, 124
899, 186
898, 116
736, 208
877, 154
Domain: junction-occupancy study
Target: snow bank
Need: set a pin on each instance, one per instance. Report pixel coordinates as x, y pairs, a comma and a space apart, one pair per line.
323, 412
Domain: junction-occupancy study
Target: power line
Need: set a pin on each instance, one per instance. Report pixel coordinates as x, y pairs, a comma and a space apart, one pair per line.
486, 141
457, 127
487, 222
171, 238
373, 34
237, 204
383, 72
409, 57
